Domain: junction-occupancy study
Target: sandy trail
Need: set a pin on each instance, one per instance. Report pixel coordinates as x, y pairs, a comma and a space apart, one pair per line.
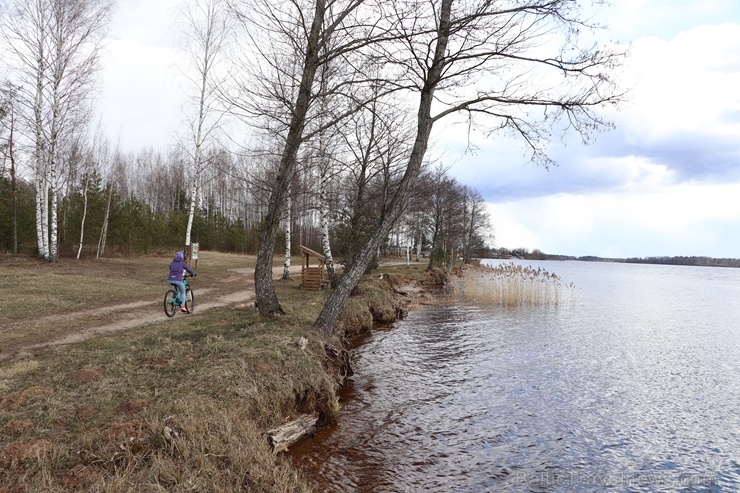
138, 314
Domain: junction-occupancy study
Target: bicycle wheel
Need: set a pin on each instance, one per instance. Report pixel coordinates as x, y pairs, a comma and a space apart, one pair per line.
170, 307
190, 300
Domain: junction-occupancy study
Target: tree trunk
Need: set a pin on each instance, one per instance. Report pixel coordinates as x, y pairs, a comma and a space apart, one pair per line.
418, 245
42, 224
191, 215
104, 229
13, 183
41, 183
335, 303
324, 208
288, 221
84, 215
267, 301
53, 173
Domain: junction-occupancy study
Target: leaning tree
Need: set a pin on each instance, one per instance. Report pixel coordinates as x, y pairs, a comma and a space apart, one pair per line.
509, 65
287, 44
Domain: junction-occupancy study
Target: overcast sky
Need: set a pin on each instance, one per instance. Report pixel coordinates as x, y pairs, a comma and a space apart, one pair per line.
666, 181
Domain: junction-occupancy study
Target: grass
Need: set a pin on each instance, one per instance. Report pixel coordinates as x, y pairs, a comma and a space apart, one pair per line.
30, 287
509, 284
180, 405
43, 301
166, 408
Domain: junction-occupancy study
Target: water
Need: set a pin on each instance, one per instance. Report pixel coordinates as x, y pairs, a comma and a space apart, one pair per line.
633, 386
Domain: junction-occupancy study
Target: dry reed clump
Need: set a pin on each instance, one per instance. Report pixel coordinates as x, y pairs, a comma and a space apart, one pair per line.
513, 285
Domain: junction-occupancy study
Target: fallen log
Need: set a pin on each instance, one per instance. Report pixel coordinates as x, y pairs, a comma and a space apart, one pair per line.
282, 437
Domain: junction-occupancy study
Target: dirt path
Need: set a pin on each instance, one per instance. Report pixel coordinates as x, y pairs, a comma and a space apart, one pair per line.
68, 328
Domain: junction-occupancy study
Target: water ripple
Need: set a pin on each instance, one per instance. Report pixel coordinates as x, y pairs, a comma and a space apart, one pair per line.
632, 388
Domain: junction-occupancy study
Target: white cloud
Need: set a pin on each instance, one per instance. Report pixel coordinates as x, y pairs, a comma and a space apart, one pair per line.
141, 101
664, 183
685, 219
685, 84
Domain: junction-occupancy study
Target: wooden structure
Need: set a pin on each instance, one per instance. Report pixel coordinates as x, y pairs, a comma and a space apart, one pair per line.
312, 277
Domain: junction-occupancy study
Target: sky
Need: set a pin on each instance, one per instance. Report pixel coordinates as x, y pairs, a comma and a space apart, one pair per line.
664, 182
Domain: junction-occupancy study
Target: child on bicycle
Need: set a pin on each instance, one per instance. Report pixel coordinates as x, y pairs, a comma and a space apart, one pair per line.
177, 270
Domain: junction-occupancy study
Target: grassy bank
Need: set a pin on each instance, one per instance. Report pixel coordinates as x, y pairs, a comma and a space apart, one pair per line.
180, 405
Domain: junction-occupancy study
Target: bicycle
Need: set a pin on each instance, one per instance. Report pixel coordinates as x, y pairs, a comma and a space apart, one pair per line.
172, 300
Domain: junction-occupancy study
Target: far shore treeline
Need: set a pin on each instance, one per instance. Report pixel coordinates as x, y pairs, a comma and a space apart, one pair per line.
523, 253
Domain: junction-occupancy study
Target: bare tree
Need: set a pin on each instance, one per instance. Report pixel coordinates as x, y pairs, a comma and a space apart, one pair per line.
8, 124
492, 62
280, 34
25, 29
92, 160
113, 167
207, 32
375, 146
477, 224
55, 48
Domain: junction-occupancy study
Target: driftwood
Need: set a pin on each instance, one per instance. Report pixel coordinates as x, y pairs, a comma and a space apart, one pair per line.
292, 432
343, 359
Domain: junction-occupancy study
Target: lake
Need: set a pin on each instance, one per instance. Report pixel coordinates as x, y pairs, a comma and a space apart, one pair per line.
630, 384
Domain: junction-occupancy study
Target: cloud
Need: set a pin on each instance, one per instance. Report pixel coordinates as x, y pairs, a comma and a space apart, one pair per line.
664, 182
685, 219
141, 100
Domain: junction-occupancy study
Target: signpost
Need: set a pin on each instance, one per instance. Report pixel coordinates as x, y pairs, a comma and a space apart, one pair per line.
194, 253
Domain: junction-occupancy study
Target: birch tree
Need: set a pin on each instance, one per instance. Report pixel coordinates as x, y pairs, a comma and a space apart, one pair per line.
25, 29
325, 174
55, 47
516, 65
207, 34
288, 231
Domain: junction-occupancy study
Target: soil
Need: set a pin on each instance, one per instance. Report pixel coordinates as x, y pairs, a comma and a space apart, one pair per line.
68, 328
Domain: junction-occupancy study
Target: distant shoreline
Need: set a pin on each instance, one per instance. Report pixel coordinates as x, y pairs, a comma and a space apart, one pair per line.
679, 260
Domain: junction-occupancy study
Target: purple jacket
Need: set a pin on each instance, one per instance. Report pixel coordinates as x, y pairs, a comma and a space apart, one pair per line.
177, 266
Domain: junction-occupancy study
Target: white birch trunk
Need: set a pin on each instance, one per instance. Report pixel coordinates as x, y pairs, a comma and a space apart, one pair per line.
324, 223
191, 212
418, 246
41, 182
84, 216
198, 157
53, 177
41, 216
56, 110
286, 265
408, 255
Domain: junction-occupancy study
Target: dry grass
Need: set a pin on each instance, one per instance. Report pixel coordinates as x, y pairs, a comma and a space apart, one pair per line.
167, 408
31, 287
176, 406
512, 285
43, 302
170, 407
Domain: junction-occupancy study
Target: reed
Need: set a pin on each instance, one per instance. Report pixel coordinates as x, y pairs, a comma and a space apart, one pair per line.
509, 284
